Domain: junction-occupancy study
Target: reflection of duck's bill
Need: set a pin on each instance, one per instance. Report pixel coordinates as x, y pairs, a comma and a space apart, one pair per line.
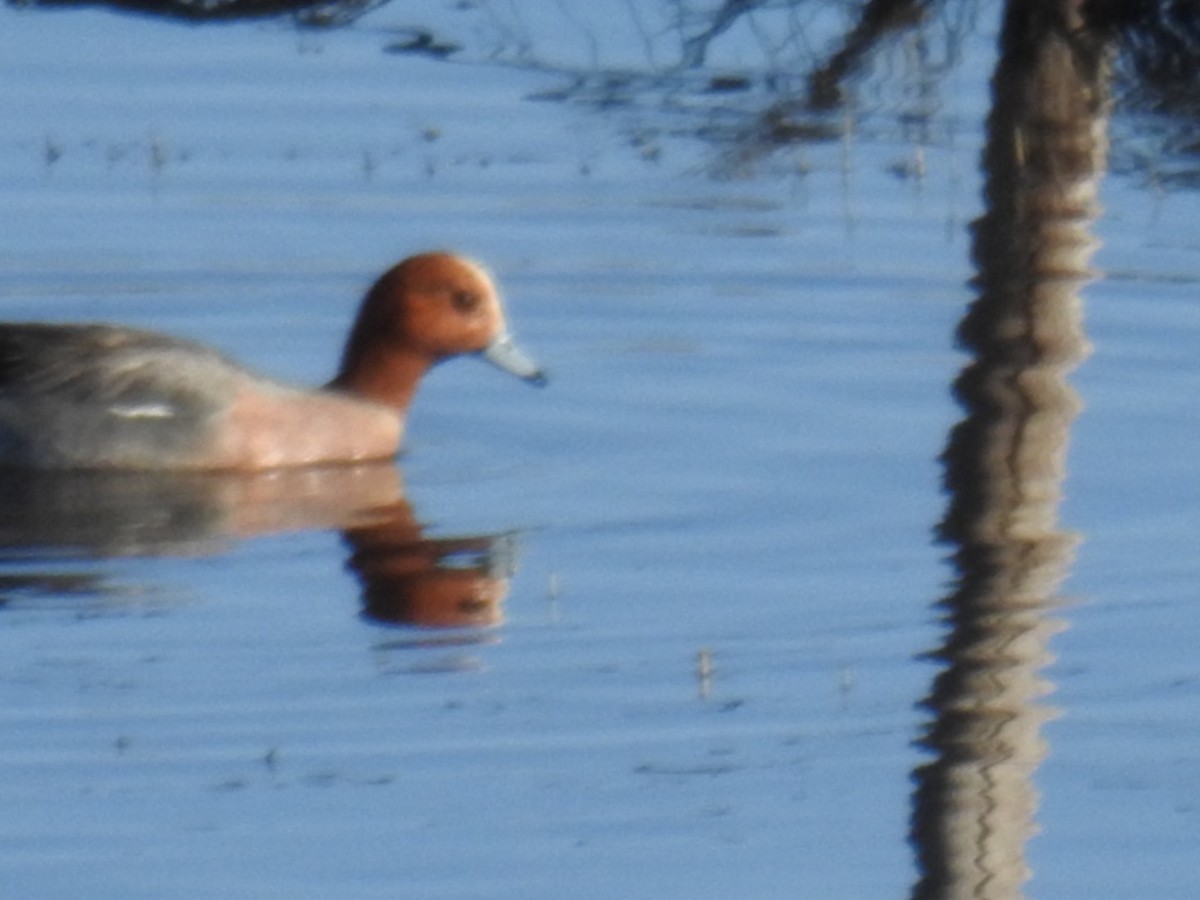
504, 353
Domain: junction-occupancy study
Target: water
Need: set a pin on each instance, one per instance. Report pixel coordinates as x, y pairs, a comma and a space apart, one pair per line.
735, 466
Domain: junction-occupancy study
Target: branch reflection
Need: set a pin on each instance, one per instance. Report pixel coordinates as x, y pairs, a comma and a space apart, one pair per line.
313, 13
51, 519
975, 803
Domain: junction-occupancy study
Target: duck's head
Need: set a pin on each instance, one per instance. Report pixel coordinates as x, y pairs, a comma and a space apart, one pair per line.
423, 310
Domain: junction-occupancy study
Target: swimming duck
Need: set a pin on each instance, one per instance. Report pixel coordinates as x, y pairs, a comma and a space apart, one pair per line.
107, 397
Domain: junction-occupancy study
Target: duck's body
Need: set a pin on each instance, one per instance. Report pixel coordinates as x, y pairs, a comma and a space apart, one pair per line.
105, 397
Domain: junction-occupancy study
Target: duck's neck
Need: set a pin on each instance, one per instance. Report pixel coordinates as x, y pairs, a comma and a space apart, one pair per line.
381, 376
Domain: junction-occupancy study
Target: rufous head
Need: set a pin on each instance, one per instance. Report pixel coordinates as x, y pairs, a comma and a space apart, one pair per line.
421, 311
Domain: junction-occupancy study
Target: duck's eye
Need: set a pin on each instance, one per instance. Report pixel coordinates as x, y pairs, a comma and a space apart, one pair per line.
464, 301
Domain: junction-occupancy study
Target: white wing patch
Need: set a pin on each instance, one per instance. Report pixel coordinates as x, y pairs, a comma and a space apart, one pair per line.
142, 410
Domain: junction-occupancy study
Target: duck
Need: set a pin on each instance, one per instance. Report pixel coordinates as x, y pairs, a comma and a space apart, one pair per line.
106, 397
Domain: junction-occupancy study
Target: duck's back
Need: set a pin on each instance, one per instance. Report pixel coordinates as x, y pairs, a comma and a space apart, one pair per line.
97, 396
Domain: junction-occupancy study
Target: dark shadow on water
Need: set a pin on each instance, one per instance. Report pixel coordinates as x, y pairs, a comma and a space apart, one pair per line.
975, 804
55, 528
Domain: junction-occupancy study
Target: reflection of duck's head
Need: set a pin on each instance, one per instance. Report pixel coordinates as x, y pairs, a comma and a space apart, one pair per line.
409, 578
437, 597
105, 397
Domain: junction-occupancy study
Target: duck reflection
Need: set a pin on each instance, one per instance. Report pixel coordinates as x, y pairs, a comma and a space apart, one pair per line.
407, 577
975, 803
447, 582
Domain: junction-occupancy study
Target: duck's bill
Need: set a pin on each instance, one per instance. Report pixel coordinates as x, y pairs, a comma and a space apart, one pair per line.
505, 354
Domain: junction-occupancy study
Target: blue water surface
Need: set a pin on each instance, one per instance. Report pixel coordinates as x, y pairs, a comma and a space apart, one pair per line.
734, 468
